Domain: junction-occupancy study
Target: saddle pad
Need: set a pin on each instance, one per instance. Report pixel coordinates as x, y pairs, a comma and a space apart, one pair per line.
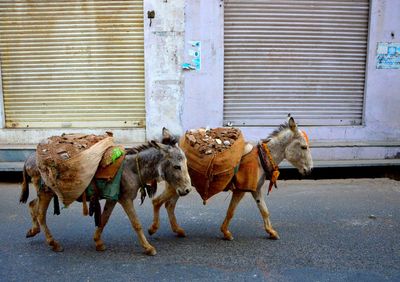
108, 189
107, 173
246, 178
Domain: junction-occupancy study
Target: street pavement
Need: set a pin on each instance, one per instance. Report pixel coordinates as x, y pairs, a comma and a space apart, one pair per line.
331, 230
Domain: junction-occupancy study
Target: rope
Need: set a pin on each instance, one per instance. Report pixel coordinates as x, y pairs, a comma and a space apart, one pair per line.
275, 169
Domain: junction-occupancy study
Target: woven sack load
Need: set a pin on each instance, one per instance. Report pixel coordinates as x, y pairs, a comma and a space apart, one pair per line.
68, 163
212, 156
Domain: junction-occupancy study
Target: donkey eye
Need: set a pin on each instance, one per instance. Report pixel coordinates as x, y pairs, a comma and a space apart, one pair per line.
177, 167
304, 147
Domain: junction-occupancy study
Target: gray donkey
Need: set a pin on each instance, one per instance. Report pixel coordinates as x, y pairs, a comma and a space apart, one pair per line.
152, 161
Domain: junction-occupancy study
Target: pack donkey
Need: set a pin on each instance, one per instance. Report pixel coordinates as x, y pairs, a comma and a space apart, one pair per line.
143, 164
287, 142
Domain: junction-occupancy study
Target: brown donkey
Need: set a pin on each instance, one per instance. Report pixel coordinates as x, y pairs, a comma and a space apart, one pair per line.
287, 142
142, 164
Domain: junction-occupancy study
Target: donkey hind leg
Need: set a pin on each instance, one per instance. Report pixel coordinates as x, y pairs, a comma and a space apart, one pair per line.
105, 216
127, 204
170, 206
165, 196
43, 204
262, 206
236, 197
33, 209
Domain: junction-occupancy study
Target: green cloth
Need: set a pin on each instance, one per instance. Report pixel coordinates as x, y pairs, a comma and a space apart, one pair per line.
116, 153
108, 190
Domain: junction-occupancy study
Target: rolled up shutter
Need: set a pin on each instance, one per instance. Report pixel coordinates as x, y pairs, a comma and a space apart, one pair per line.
72, 63
303, 57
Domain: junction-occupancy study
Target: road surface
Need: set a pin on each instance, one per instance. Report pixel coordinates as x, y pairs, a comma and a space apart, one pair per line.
331, 230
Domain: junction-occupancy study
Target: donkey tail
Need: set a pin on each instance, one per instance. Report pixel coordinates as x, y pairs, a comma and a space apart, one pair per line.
24, 186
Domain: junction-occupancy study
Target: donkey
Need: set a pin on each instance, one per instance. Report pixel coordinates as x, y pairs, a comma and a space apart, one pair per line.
287, 142
152, 161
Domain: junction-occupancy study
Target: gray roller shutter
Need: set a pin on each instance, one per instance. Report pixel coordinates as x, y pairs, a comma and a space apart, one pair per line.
301, 57
72, 63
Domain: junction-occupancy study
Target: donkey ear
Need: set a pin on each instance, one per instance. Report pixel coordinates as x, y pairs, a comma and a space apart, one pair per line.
168, 138
165, 133
292, 124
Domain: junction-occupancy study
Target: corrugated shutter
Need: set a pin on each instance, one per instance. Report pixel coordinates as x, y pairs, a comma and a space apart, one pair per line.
72, 63
301, 57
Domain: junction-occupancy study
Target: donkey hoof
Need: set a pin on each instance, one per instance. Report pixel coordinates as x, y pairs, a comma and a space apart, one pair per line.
56, 247
31, 233
152, 230
150, 251
274, 236
228, 236
180, 233
100, 248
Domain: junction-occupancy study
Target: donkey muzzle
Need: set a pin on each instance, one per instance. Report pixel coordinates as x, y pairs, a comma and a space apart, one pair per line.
184, 191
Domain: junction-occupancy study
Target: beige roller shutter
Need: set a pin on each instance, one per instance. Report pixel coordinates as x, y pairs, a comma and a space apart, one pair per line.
301, 57
72, 63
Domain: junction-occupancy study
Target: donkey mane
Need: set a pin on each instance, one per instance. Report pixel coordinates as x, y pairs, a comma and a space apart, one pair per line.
143, 147
276, 132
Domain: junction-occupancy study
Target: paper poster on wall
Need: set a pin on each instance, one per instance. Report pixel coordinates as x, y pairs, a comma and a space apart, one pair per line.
388, 56
194, 55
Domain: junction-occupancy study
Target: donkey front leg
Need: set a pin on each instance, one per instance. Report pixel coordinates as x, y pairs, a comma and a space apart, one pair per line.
170, 206
262, 206
127, 204
165, 196
105, 216
43, 204
236, 197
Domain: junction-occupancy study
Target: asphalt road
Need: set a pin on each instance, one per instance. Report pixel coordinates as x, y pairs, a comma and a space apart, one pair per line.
331, 230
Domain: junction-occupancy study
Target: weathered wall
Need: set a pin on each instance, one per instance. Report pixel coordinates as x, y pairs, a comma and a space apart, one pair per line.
204, 89
203, 104
164, 43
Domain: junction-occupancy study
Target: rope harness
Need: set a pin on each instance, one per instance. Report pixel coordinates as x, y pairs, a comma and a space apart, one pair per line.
145, 188
271, 169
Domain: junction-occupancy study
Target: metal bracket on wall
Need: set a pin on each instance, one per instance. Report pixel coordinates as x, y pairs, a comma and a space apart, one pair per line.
151, 15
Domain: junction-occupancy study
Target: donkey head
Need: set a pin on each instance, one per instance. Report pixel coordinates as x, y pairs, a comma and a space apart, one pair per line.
298, 152
173, 168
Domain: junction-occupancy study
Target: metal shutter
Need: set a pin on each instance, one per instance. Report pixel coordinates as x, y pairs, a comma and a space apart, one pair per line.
72, 63
301, 57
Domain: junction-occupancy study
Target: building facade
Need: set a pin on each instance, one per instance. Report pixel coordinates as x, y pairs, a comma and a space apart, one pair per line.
133, 67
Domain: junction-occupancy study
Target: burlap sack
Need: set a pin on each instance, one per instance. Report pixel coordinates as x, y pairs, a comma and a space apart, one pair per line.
210, 174
69, 178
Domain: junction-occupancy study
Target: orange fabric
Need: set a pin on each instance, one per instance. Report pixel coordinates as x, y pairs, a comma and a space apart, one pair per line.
305, 135
273, 180
246, 178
